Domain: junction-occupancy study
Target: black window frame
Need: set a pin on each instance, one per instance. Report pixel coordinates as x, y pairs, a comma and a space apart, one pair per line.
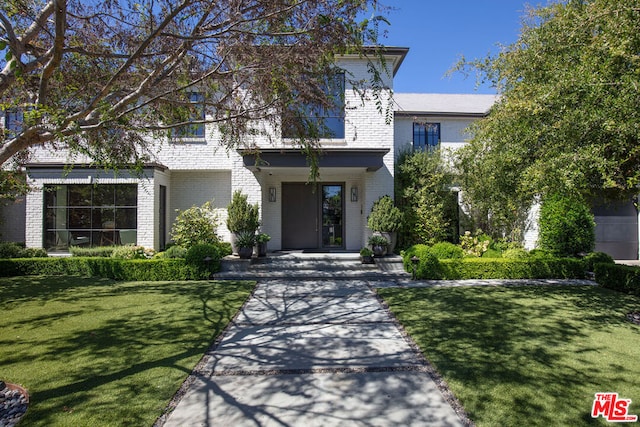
426, 135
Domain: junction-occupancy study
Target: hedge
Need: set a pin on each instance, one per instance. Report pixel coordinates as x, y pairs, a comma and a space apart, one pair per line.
429, 267
118, 269
622, 278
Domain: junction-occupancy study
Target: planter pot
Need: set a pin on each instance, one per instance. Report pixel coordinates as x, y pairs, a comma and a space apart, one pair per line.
261, 249
366, 259
379, 251
245, 252
392, 238
234, 247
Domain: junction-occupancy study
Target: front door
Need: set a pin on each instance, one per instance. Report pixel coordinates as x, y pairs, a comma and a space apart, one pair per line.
312, 219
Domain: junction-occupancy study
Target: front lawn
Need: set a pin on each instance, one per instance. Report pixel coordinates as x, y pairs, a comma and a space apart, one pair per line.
94, 352
530, 355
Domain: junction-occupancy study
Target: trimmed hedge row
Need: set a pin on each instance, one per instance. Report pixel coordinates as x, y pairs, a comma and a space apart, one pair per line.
429, 267
622, 278
118, 269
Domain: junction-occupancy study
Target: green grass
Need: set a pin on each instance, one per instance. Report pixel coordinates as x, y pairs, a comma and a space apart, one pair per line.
94, 352
533, 355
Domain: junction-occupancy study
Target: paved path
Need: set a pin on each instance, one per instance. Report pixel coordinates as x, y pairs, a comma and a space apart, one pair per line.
320, 352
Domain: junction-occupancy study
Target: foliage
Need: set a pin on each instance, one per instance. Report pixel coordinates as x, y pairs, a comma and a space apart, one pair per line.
196, 225
242, 216
516, 254
105, 78
245, 239
622, 278
384, 216
498, 347
196, 255
366, 252
475, 244
17, 250
174, 251
132, 252
567, 117
427, 265
110, 344
377, 240
225, 249
447, 250
567, 226
429, 209
262, 238
96, 251
593, 258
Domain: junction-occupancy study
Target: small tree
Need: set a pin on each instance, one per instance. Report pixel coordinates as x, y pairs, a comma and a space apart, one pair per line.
242, 217
196, 225
567, 227
385, 216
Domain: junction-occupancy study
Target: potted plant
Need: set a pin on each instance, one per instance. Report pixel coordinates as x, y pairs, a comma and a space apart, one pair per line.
245, 241
378, 245
261, 242
385, 218
242, 218
366, 256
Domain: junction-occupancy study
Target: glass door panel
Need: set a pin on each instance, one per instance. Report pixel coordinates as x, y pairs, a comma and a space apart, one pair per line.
332, 216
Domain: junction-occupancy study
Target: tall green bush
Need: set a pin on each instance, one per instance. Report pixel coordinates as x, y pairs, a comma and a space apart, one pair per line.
567, 226
384, 216
241, 215
198, 224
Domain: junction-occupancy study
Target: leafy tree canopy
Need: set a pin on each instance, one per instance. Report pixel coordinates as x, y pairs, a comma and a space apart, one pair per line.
568, 117
100, 76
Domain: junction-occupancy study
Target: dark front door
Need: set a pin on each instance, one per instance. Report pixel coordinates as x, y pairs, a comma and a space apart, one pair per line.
312, 219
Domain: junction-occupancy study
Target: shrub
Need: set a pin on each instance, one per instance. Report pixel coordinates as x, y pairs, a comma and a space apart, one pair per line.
384, 216
97, 251
593, 258
567, 227
17, 250
378, 241
492, 253
541, 253
242, 216
174, 252
427, 267
131, 252
195, 257
476, 244
224, 249
195, 225
622, 278
446, 250
366, 252
516, 254
503, 268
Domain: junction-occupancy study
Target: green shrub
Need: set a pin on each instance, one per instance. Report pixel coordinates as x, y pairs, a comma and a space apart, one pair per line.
195, 225
97, 251
516, 254
17, 250
475, 244
242, 216
174, 251
195, 257
224, 249
593, 258
428, 266
384, 216
446, 250
567, 227
622, 278
541, 253
492, 253
131, 252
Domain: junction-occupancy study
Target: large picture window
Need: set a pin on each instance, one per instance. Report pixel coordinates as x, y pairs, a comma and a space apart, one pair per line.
316, 120
90, 215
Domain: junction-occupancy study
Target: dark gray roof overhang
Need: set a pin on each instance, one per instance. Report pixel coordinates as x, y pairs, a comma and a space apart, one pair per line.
370, 160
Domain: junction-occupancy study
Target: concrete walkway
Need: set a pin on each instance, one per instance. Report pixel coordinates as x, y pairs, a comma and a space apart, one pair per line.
318, 351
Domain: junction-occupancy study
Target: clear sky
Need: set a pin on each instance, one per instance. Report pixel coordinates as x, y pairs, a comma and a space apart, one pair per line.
439, 32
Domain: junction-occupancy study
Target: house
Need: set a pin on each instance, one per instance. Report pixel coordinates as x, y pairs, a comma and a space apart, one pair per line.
86, 205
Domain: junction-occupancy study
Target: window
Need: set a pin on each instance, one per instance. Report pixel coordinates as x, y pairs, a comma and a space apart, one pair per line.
317, 120
195, 130
426, 136
89, 215
13, 120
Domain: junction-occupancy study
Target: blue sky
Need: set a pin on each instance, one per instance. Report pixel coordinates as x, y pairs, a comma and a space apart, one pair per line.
439, 32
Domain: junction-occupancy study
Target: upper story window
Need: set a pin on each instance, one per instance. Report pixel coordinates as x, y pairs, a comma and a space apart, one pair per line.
426, 136
195, 130
13, 121
316, 120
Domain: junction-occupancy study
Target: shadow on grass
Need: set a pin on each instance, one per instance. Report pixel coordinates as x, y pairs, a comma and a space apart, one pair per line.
94, 351
535, 353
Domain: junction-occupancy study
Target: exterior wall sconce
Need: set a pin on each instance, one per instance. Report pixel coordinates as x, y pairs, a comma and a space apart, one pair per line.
272, 194
354, 194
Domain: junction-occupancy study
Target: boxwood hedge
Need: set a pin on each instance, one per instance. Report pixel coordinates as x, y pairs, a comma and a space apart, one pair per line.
622, 278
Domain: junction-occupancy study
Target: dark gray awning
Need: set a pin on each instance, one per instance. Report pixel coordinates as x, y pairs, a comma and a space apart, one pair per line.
371, 160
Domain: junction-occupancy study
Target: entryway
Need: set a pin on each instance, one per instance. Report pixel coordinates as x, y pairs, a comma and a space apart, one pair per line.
313, 216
